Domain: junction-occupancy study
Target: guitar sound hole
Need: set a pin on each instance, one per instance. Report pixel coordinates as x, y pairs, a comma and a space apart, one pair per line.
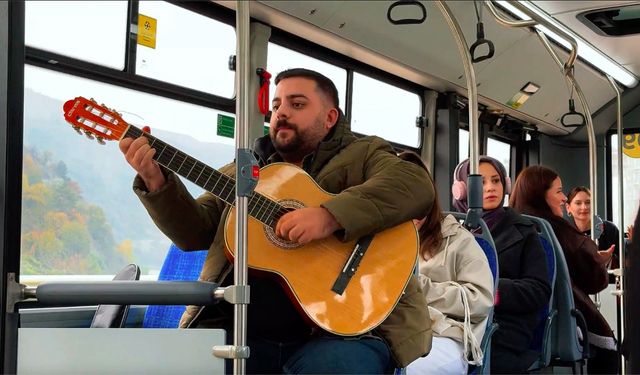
270, 232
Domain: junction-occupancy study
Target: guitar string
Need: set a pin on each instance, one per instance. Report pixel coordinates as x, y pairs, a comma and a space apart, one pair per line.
268, 211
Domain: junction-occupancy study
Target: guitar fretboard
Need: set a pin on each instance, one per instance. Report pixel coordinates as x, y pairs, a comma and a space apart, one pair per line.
222, 186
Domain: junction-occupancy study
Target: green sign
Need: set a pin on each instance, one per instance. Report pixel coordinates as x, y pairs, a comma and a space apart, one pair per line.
227, 125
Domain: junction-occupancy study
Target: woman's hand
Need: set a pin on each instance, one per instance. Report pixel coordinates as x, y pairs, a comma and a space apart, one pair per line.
605, 255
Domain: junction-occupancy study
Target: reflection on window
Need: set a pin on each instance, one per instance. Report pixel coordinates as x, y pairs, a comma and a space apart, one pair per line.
463, 145
280, 58
191, 50
93, 31
79, 213
631, 178
385, 110
502, 152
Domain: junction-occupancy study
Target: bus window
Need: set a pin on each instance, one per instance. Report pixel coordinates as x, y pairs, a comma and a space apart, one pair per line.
185, 53
463, 145
385, 110
79, 213
94, 31
281, 58
502, 152
631, 182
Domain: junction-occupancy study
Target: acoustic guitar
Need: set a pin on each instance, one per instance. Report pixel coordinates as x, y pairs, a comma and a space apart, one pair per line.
346, 288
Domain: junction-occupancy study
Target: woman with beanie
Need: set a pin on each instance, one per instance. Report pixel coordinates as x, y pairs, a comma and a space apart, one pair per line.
523, 287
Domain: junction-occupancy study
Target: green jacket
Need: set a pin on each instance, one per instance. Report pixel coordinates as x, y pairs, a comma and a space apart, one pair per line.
375, 190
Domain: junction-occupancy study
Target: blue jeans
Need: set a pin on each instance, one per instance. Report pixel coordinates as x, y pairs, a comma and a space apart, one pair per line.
320, 355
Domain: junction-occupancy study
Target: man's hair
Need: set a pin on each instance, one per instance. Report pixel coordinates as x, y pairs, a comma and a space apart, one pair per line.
323, 83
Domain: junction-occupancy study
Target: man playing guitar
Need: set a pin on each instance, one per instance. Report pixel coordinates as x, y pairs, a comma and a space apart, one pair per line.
374, 190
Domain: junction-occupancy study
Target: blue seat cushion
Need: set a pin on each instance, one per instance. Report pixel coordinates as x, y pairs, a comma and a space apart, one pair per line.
178, 265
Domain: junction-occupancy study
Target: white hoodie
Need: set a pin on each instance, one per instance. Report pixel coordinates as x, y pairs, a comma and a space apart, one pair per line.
458, 275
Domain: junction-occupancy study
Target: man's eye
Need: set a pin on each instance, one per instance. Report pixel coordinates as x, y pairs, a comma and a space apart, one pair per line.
275, 107
297, 105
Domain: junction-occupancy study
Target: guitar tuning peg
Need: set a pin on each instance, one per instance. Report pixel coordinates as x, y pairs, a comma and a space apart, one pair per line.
77, 129
88, 134
101, 140
93, 100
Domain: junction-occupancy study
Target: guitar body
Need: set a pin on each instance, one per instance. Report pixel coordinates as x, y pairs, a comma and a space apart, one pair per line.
310, 271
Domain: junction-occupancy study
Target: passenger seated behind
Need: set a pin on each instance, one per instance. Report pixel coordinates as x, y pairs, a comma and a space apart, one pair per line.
453, 268
538, 192
579, 211
523, 287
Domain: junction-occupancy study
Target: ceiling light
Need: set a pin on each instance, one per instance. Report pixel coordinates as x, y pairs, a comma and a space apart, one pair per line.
585, 50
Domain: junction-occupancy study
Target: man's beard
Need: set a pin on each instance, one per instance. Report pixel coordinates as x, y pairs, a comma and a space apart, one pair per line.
297, 146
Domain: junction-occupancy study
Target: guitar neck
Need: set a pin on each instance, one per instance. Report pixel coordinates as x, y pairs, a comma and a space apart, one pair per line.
222, 186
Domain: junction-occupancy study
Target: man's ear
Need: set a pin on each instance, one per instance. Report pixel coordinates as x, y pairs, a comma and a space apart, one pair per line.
333, 116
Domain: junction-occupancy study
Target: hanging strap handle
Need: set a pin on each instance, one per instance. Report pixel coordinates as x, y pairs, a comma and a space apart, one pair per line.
480, 41
573, 119
407, 21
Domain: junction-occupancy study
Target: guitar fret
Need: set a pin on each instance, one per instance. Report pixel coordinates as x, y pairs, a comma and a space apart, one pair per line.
196, 180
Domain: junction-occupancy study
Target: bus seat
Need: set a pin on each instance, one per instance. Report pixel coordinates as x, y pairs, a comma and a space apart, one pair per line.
114, 316
177, 265
541, 342
566, 348
492, 257
485, 240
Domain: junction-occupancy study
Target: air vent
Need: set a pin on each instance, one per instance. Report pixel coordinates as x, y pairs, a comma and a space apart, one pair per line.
613, 21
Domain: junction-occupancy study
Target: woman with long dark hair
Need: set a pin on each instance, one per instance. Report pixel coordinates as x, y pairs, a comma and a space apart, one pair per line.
538, 192
523, 288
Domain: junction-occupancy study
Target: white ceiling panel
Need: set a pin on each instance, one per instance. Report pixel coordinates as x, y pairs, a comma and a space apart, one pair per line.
557, 7
430, 48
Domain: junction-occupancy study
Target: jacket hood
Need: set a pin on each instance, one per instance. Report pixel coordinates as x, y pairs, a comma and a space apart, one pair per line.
450, 226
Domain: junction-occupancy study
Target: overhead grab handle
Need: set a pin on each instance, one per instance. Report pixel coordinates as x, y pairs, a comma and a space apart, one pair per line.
573, 119
407, 21
480, 41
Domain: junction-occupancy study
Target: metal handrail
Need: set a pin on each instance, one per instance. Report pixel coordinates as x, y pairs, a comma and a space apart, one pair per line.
507, 22
621, 249
593, 170
573, 53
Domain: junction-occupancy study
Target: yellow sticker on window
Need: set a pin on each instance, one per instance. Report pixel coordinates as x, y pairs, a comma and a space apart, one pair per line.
147, 28
631, 145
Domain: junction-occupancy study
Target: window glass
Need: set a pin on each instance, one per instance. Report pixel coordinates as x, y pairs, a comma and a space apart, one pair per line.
191, 50
280, 58
463, 145
79, 213
385, 110
94, 31
502, 152
631, 181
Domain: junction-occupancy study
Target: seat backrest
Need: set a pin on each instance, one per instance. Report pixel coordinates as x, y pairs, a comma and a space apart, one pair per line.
485, 240
114, 316
565, 343
178, 265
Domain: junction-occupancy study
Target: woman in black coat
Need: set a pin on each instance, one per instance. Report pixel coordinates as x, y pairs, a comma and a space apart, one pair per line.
523, 288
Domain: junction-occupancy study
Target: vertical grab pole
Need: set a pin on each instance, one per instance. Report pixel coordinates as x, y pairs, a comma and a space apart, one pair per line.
242, 145
470, 76
620, 277
474, 182
593, 170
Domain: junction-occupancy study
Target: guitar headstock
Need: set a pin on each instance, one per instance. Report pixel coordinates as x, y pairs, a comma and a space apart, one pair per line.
94, 120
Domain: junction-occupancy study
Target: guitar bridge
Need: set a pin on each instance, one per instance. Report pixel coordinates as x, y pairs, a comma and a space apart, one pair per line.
351, 266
